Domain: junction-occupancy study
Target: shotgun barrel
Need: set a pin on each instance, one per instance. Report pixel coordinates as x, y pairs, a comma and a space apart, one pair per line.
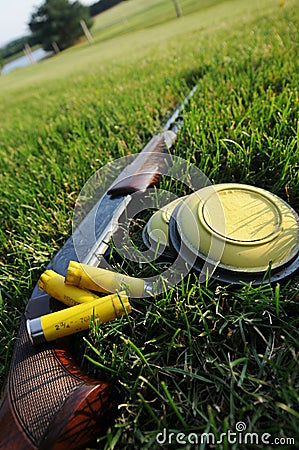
48, 402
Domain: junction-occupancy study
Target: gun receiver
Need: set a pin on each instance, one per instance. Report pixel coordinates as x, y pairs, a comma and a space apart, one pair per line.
48, 402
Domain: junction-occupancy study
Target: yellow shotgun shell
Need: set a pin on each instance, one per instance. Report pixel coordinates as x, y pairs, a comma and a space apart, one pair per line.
54, 284
77, 318
253, 227
102, 280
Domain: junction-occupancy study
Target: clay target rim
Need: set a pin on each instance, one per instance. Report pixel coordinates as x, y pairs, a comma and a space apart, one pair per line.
280, 247
223, 274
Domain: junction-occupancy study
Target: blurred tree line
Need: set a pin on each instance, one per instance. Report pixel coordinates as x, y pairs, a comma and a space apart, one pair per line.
17, 46
56, 21
101, 6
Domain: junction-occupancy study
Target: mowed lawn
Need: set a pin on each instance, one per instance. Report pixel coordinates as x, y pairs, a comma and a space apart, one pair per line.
201, 358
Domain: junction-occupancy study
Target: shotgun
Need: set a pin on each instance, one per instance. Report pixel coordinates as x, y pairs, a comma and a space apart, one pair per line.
48, 402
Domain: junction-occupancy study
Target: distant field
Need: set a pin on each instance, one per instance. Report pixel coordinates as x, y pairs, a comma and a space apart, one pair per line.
136, 15
221, 354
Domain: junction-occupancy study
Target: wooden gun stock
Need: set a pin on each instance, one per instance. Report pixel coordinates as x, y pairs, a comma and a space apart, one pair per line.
49, 403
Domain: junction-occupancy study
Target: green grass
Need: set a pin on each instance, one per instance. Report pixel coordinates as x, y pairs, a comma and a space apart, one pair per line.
199, 358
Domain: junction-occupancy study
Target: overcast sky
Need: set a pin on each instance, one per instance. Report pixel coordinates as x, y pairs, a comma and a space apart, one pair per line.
15, 15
